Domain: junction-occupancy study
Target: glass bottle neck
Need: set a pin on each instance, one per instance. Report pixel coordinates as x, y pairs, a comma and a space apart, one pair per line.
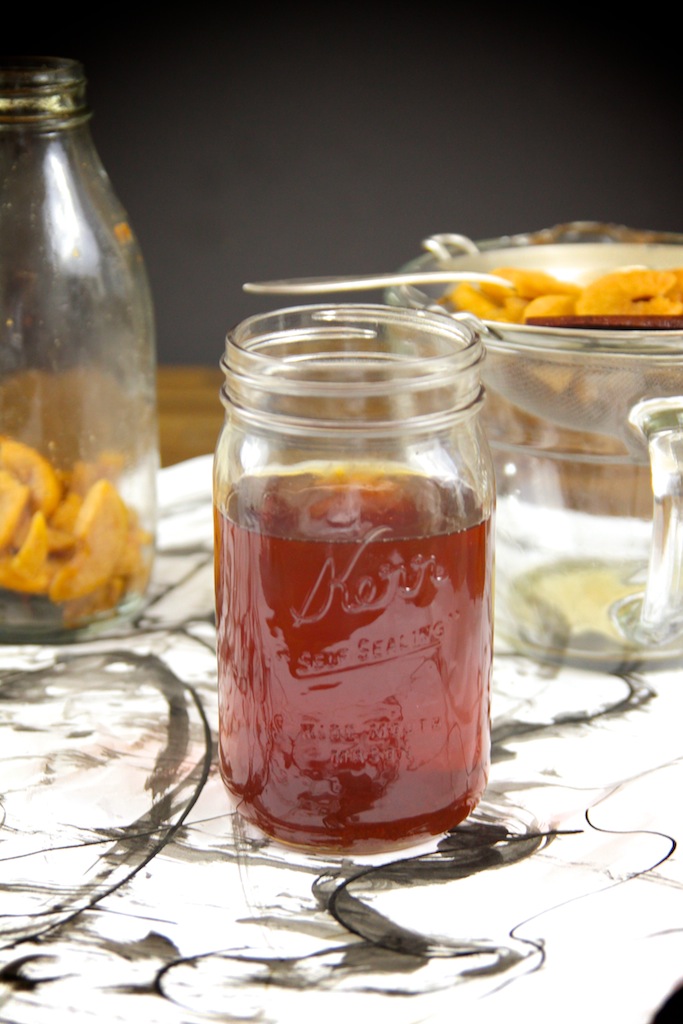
41, 93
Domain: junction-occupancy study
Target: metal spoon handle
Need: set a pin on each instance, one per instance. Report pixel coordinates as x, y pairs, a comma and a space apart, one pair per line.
321, 285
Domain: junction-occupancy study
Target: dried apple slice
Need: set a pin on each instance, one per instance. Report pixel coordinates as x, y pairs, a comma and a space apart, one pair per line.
466, 297
100, 530
529, 284
550, 305
21, 582
29, 467
512, 310
31, 557
65, 515
59, 541
641, 292
14, 499
27, 570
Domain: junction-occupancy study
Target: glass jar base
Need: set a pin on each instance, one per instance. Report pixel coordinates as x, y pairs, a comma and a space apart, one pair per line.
358, 837
30, 619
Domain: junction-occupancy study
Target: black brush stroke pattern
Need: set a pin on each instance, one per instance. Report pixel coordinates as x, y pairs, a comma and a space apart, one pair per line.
130, 889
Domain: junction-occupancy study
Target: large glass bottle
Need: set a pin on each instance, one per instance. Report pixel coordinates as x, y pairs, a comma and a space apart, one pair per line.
78, 429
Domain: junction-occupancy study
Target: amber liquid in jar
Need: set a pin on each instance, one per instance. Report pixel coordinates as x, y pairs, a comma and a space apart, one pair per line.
354, 656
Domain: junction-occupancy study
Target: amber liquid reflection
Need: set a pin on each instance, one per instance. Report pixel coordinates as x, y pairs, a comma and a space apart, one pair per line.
354, 654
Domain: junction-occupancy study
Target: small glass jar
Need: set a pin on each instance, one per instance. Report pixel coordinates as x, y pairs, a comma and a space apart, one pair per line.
354, 500
78, 429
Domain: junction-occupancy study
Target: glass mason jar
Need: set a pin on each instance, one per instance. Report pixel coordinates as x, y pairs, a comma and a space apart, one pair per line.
78, 431
354, 501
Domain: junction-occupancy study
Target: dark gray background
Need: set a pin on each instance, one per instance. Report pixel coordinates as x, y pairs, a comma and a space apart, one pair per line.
300, 142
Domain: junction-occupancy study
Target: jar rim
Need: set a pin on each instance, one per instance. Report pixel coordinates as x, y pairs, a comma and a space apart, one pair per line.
367, 366
39, 67
252, 335
41, 89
